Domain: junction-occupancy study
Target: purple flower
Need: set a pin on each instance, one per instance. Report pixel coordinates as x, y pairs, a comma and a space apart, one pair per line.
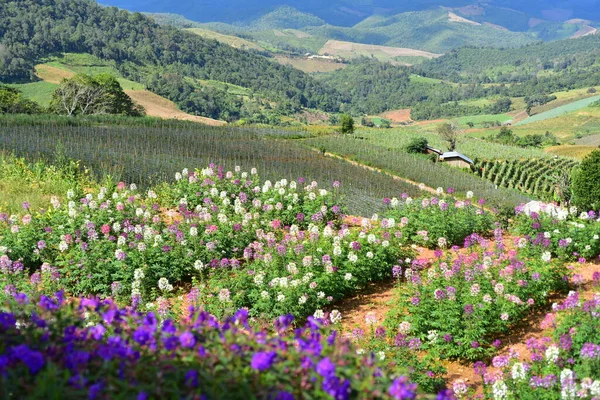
475, 344
33, 359
590, 350
187, 340
263, 360
325, 367
402, 389
191, 378
480, 368
468, 309
284, 396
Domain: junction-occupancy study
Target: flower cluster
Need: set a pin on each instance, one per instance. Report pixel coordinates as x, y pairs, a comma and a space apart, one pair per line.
456, 306
439, 221
93, 349
551, 231
565, 365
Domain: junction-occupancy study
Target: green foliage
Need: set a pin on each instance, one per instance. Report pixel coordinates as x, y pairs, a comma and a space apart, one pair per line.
449, 132
150, 49
417, 145
457, 307
87, 95
586, 183
537, 177
13, 102
347, 123
507, 137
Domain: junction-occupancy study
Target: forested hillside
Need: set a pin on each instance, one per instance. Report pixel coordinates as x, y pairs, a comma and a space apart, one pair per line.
167, 60
476, 64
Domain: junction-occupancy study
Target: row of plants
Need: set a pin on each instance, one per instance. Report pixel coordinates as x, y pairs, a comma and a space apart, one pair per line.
92, 349
535, 176
564, 364
440, 221
550, 231
457, 307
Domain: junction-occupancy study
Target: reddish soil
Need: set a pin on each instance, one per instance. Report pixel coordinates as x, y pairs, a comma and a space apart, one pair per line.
398, 116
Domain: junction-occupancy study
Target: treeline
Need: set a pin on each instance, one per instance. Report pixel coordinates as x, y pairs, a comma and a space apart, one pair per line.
375, 87
519, 65
31, 30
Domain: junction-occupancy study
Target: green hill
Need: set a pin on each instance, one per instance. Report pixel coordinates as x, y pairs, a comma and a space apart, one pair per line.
163, 59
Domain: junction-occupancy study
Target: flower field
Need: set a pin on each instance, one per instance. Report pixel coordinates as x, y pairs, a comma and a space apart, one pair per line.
222, 284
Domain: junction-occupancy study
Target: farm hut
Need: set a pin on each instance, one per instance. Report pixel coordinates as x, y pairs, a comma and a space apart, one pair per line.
455, 159
431, 150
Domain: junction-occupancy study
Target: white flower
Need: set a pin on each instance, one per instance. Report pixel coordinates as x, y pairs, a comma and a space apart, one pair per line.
335, 316
432, 336
70, 194
138, 274
547, 235
404, 327
264, 294
198, 265
319, 314
370, 255
320, 295
546, 256
348, 276
470, 194
360, 352
439, 191
281, 297
302, 299
164, 285
552, 353
178, 176
381, 355
193, 231
63, 246
499, 390
385, 243
518, 372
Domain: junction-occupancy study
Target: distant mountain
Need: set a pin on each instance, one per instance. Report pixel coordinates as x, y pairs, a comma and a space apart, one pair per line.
350, 12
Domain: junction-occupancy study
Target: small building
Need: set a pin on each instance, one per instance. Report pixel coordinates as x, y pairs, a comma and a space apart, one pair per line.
456, 159
431, 150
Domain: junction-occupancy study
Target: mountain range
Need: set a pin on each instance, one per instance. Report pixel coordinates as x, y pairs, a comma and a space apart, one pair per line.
350, 12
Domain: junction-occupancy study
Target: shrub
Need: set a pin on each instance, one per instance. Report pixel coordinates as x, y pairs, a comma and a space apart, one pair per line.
347, 124
586, 183
563, 365
558, 232
417, 145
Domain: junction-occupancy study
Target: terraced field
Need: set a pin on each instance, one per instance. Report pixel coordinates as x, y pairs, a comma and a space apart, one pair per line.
558, 111
533, 176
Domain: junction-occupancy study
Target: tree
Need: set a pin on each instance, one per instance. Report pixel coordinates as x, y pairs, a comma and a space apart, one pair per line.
347, 124
449, 132
417, 145
86, 95
13, 102
585, 185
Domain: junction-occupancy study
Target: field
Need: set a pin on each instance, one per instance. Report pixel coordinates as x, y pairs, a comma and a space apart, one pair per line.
349, 50
233, 41
146, 155
40, 92
567, 126
310, 65
574, 151
416, 168
561, 110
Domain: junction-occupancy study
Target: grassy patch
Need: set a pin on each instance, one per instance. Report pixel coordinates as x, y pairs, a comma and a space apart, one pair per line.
40, 92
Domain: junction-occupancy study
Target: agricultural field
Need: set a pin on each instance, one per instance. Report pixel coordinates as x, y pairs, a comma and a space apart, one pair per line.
561, 110
416, 168
536, 177
233, 41
349, 50
573, 151
148, 154
309, 65
568, 127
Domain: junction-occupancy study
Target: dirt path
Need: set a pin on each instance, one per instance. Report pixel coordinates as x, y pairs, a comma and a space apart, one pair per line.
377, 300
421, 186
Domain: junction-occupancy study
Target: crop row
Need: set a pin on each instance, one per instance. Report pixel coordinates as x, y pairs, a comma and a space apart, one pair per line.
418, 169
535, 176
147, 155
